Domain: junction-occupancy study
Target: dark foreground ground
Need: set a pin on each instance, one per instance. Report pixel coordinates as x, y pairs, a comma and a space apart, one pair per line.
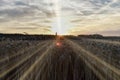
55, 60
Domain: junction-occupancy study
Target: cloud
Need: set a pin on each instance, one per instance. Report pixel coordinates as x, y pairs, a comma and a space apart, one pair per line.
85, 16
20, 3
90, 7
18, 9
24, 28
110, 32
2, 2
16, 12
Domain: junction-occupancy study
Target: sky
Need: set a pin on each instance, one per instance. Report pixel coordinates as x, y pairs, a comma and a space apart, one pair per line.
72, 17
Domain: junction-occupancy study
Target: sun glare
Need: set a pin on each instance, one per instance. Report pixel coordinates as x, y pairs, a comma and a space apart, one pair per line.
61, 27
59, 24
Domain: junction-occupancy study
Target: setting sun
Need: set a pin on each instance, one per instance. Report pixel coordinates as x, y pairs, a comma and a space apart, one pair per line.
60, 25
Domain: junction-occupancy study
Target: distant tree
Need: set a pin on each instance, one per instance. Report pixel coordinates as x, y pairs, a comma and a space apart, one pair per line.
91, 36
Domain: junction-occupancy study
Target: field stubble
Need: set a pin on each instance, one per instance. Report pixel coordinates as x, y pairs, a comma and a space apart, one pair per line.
70, 60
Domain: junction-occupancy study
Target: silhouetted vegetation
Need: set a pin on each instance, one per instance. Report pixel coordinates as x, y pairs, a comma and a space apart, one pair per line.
91, 36
72, 37
98, 36
48, 37
25, 37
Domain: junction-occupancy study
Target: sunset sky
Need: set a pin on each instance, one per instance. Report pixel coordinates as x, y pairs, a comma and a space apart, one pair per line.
62, 16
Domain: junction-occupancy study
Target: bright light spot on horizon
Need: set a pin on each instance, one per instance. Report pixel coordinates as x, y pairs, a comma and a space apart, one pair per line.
63, 28
58, 44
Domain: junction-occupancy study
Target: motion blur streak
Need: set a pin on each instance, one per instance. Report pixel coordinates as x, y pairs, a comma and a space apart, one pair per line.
82, 59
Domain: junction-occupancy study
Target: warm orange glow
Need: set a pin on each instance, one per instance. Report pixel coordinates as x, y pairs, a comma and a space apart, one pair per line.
58, 44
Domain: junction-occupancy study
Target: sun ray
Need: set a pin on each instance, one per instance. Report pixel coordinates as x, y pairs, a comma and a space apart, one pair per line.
57, 10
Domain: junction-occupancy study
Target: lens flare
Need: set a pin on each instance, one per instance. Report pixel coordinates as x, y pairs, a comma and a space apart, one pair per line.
58, 44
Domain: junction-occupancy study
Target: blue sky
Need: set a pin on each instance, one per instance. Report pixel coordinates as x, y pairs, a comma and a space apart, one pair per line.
62, 16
